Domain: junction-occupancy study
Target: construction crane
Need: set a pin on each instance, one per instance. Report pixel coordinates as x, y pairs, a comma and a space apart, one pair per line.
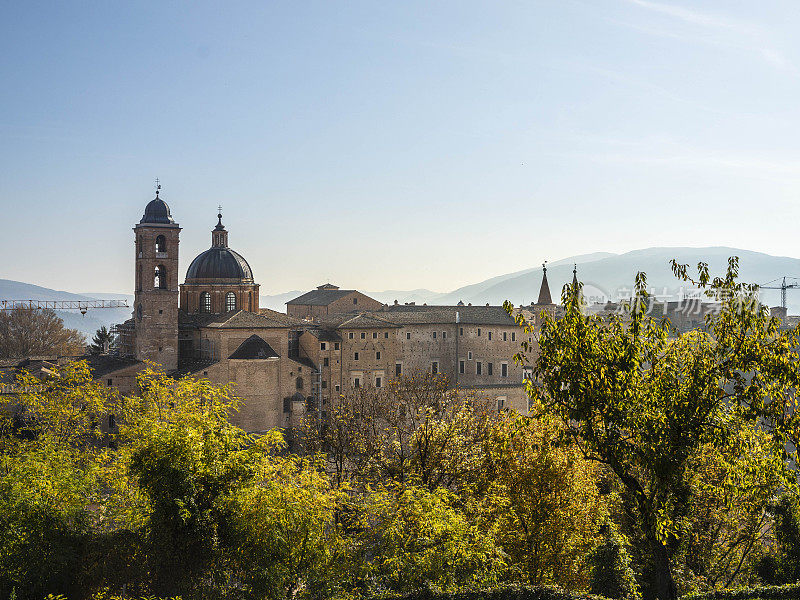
81, 305
784, 283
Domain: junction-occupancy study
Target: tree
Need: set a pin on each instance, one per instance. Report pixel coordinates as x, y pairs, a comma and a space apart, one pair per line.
543, 501
417, 429
644, 401
52, 471
102, 340
612, 575
281, 528
411, 538
36, 332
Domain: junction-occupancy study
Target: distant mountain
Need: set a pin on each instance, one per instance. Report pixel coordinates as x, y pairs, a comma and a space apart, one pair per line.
613, 275
277, 301
88, 323
604, 275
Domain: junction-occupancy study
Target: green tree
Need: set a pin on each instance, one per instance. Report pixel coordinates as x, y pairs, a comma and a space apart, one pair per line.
611, 572
645, 402
411, 538
542, 500
102, 340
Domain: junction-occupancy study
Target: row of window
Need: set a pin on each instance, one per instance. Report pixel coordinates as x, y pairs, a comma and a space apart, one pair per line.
356, 355
378, 382
479, 368
435, 334
375, 335
205, 302
324, 345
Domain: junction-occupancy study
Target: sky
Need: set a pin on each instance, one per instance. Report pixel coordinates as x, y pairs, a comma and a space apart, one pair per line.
394, 145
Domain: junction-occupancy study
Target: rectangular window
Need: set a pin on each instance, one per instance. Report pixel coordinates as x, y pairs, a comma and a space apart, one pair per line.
398, 369
336, 345
505, 336
325, 362
504, 370
461, 366
287, 405
378, 382
336, 387
469, 355
479, 332
356, 383
460, 331
110, 382
323, 346
374, 335
490, 336
434, 335
513, 336
355, 356
350, 335
355, 300
324, 384
489, 368
363, 335
478, 368
386, 335
434, 368
377, 355
112, 421
444, 335
408, 335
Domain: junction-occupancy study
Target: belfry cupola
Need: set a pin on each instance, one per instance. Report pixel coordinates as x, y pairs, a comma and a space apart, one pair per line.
219, 237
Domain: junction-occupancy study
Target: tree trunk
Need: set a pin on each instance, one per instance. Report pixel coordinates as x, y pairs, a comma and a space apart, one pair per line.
661, 583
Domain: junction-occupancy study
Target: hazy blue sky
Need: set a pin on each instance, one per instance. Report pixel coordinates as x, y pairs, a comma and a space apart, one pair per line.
395, 145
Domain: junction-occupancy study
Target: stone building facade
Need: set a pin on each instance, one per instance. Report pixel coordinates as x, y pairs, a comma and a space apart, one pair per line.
328, 343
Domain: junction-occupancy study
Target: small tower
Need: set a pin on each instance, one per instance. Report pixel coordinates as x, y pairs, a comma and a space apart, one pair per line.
155, 307
544, 291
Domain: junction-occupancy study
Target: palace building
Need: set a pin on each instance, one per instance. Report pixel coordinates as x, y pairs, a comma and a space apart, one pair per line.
329, 342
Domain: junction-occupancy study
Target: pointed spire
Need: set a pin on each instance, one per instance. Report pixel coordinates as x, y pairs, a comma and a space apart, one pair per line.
575, 276
544, 291
220, 226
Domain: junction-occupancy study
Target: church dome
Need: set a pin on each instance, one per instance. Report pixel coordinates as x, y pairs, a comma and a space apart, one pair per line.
219, 263
157, 211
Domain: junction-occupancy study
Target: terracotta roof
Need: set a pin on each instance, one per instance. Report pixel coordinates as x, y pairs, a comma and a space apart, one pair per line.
306, 362
408, 314
325, 335
253, 348
363, 320
279, 316
243, 319
320, 297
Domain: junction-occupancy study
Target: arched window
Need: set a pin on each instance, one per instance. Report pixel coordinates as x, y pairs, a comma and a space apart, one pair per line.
299, 383
161, 244
205, 302
160, 281
230, 301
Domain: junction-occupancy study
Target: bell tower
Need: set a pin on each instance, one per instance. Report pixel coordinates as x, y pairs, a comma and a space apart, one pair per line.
155, 306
